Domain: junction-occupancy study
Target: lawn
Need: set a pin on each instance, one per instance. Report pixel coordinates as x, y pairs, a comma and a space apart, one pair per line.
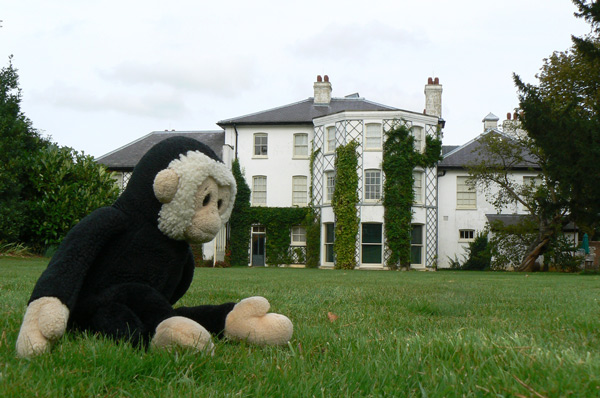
434, 334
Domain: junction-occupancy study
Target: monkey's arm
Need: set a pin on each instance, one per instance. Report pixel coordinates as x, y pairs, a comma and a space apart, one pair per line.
57, 289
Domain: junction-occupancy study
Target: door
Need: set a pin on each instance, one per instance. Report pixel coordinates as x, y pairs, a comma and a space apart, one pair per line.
258, 246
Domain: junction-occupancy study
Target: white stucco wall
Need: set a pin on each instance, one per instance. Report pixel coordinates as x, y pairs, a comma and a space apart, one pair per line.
452, 219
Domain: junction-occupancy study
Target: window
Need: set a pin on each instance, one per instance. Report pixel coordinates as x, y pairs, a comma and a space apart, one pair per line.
371, 243
416, 245
418, 187
329, 186
373, 136
466, 196
330, 140
300, 145
298, 236
260, 145
259, 190
417, 133
466, 234
372, 184
299, 191
329, 238
532, 181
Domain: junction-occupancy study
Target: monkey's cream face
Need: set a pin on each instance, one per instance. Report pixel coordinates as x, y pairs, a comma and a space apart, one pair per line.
211, 203
197, 195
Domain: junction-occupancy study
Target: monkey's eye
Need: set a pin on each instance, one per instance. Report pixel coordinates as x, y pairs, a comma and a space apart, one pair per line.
206, 200
220, 204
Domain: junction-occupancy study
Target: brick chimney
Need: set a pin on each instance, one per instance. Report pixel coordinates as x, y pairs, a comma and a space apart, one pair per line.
322, 89
433, 97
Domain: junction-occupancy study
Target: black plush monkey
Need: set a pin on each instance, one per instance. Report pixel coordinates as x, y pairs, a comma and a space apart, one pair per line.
122, 268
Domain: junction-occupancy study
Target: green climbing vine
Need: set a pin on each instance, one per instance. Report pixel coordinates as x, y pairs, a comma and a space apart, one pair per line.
312, 222
399, 161
278, 222
345, 200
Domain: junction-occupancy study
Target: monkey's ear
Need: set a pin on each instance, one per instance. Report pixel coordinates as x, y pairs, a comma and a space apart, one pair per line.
165, 185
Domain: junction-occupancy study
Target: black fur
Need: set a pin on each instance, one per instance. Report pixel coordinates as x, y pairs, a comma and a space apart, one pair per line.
117, 272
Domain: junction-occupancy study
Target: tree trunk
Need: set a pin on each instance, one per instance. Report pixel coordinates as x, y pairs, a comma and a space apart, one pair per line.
536, 249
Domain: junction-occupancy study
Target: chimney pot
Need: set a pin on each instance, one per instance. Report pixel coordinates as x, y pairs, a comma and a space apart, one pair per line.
326, 79
430, 81
436, 81
508, 116
319, 78
515, 116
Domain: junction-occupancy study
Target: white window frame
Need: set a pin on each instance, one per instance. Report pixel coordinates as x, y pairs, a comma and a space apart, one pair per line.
466, 235
330, 139
300, 147
372, 190
363, 243
418, 187
373, 137
298, 236
329, 177
328, 244
260, 147
299, 189
466, 195
419, 245
257, 188
419, 137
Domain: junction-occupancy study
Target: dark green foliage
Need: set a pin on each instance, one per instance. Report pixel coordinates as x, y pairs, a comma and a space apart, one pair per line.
479, 256
345, 200
239, 222
565, 108
44, 189
68, 185
19, 146
399, 161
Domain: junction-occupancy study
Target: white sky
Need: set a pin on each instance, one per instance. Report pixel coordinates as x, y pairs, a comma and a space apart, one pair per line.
96, 75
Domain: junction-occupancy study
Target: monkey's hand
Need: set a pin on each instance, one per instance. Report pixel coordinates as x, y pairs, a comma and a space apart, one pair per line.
45, 322
250, 321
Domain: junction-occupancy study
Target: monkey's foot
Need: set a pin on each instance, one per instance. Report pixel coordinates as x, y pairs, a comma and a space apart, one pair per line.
45, 321
179, 331
250, 321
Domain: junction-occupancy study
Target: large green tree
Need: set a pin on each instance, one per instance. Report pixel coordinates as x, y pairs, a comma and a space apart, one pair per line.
561, 114
44, 189
19, 145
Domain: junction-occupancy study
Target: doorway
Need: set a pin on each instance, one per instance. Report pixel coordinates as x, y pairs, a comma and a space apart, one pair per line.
259, 238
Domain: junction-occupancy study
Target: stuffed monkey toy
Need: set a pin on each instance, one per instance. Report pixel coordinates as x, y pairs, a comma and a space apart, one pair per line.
121, 269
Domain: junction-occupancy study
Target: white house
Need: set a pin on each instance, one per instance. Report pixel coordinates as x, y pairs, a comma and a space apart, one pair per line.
274, 148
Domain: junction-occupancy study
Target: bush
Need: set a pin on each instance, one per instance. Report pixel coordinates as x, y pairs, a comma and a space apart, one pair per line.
479, 256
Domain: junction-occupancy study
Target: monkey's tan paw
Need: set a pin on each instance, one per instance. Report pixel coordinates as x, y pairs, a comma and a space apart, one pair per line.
179, 331
45, 321
250, 321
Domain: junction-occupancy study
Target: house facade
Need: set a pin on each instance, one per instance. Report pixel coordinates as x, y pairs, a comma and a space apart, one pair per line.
288, 156
274, 147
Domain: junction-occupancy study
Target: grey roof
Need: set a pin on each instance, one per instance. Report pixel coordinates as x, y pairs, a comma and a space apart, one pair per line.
126, 157
514, 219
448, 148
461, 156
304, 112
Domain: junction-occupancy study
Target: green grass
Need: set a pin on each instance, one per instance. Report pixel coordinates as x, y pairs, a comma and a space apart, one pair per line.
441, 334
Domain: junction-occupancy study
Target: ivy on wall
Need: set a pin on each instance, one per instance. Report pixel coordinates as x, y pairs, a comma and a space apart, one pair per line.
345, 200
239, 222
399, 161
278, 222
312, 222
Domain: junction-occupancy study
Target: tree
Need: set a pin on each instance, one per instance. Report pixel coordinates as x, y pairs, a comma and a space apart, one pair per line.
44, 189
19, 145
590, 11
239, 222
498, 156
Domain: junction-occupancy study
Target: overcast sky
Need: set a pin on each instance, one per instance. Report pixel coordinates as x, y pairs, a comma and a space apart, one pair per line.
96, 75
